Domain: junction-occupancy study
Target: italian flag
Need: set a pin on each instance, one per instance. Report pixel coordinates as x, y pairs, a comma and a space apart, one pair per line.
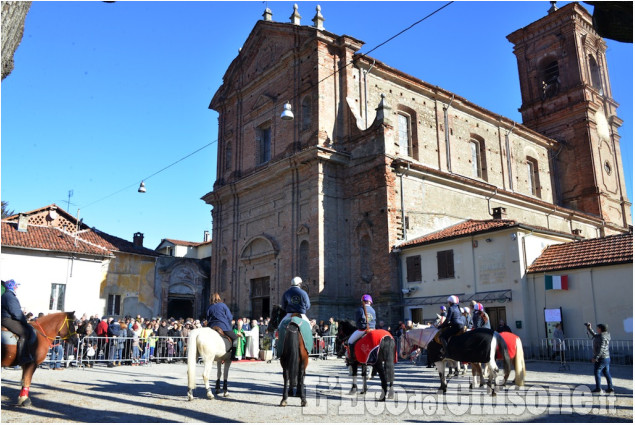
556, 282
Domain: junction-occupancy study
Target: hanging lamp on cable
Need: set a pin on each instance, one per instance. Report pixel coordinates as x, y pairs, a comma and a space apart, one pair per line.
142, 188
287, 114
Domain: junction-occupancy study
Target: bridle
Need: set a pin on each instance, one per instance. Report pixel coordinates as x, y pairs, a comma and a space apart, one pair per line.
67, 322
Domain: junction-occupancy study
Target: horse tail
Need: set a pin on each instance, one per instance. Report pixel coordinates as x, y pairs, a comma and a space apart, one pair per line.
290, 356
519, 364
389, 359
192, 356
504, 353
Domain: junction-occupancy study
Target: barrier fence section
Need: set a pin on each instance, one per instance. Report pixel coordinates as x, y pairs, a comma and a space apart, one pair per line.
577, 350
138, 351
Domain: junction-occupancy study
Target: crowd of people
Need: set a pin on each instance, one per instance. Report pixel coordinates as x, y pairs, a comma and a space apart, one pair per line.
137, 340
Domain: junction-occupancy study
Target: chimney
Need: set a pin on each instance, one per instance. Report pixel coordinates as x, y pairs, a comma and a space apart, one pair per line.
137, 240
499, 213
206, 236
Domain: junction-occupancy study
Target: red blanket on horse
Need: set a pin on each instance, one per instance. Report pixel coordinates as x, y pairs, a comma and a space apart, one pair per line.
367, 347
510, 340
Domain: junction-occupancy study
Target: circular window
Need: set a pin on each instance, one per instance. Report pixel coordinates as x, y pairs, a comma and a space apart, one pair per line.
607, 168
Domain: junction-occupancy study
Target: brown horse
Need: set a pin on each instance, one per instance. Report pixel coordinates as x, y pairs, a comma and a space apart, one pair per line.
46, 329
294, 357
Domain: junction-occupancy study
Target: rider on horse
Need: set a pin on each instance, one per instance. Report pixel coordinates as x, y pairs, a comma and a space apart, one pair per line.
295, 301
453, 324
365, 319
218, 315
14, 320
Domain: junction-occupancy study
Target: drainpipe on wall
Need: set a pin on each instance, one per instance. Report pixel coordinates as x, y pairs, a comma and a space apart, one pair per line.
447, 134
403, 212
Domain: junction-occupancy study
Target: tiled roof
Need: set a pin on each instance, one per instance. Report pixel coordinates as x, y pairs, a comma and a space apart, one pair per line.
50, 239
182, 243
466, 228
605, 251
90, 241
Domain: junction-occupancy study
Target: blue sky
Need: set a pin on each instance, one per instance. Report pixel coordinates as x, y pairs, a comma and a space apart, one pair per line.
106, 94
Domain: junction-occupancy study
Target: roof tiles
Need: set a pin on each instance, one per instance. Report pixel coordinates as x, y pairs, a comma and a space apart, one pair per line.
616, 249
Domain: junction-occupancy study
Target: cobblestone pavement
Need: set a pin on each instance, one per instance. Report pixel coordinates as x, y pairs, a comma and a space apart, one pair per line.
157, 393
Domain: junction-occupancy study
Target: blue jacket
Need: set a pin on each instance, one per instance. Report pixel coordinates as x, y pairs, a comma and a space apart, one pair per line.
295, 300
219, 315
454, 316
11, 307
361, 319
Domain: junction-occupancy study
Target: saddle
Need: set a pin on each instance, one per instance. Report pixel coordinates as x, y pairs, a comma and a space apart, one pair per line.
222, 334
437, 336
9, 338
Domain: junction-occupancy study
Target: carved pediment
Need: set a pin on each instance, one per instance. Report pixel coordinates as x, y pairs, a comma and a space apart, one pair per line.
259, 248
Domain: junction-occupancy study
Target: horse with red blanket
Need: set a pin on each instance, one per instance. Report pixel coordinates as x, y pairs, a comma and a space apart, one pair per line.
376, 349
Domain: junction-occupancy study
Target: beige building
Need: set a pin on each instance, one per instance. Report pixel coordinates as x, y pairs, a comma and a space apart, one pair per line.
376, 157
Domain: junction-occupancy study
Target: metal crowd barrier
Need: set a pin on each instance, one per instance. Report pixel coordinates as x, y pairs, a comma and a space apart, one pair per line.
577, 350
323, 346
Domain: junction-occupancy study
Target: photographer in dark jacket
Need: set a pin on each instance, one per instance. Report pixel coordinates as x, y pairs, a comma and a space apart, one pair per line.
14, 320
601, 359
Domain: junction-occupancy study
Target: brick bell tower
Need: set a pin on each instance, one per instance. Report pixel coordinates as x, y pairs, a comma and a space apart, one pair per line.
566, 95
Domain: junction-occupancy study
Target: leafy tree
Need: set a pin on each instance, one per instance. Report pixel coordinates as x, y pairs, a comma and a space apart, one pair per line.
6, 212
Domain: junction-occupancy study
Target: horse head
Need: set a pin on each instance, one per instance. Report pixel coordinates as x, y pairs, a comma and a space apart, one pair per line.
277, 313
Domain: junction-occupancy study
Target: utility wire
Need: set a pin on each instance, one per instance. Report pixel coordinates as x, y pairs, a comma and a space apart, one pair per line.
151, 175
323, 79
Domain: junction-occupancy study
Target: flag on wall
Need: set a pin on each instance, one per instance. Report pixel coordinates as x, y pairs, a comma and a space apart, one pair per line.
556, 282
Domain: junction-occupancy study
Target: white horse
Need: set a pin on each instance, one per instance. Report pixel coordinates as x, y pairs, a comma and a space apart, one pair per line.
212, 347
422, 337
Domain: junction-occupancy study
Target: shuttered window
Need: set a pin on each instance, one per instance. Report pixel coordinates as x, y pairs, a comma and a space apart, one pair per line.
445, 264
413, 268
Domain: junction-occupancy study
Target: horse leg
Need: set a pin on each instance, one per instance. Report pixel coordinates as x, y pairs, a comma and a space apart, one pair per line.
27, 373
228, 363
364, 379
354, 372
285, 388
493, 370
476, 371
301, 387
207, 369
218, 375
381, 371
444, 385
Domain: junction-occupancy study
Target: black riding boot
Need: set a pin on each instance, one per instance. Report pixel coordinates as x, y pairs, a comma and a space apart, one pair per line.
233, 351
444, 348
22, 352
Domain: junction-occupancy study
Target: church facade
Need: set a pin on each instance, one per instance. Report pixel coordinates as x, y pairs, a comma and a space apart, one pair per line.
375, 157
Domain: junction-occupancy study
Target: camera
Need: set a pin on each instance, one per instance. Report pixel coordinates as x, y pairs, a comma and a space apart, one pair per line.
587, 324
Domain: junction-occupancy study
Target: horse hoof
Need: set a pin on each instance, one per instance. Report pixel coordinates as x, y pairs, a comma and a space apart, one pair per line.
226, 394
190, 397
210, 396
471, 386
352, 391
24, 402
303, 403
283, 403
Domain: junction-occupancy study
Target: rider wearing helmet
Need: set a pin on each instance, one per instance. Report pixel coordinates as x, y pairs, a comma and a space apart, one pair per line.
295, 300
481, 319
468, 318
454, 322
14, 320
365, 319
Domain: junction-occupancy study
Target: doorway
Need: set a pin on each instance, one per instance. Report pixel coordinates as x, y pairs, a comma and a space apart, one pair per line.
260, 304
180, 308
495, 315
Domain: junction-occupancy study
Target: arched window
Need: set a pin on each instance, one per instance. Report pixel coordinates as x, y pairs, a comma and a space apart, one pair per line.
533, 175
596, 78
478, 157
365, 259
550, 78
303, 260
405, 141
306, 112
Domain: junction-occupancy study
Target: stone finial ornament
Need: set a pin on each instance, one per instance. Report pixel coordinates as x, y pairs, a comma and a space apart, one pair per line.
295, 18
318, 19
268, 15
